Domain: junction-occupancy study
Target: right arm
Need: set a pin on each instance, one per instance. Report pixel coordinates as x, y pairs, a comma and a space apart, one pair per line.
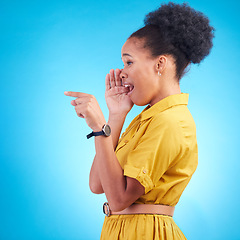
119, 104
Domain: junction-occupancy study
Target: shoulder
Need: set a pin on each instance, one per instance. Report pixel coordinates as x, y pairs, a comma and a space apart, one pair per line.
166, 120
174, 118
174, 123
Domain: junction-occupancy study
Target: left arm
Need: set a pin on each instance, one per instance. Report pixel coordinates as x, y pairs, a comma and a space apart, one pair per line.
120, 191
116, 122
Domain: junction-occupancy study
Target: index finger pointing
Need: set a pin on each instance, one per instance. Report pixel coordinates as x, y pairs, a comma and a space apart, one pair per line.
75, 94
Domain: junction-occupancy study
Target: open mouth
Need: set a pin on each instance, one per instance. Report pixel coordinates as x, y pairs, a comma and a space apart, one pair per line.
130, 88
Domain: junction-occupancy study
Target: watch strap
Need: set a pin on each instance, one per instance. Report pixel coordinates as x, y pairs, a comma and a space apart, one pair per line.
95, 134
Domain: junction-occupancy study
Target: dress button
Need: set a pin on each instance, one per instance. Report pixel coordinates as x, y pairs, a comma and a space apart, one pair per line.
144, 171
126, 141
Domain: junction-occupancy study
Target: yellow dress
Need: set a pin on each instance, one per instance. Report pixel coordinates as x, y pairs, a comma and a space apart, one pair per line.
159, 149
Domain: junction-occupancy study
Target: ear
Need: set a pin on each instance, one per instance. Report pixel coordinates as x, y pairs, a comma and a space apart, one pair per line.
161, 63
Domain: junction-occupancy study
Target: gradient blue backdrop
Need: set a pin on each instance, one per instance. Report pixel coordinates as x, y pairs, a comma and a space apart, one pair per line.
48, 47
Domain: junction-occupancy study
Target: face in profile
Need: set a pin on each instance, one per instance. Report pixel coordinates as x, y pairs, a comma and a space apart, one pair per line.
140, 73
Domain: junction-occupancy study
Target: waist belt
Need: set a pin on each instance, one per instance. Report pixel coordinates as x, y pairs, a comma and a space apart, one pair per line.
141, 209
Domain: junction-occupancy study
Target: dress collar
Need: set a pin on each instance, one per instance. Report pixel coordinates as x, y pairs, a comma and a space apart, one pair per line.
165, 103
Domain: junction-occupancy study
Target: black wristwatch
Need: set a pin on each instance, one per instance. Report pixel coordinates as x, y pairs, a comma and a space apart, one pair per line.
106, 131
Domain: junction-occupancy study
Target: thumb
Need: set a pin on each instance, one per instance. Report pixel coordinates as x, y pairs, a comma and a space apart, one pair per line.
73, 103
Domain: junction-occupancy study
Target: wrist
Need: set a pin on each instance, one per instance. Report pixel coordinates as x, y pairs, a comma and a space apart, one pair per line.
105, 131
117, 116
98, 127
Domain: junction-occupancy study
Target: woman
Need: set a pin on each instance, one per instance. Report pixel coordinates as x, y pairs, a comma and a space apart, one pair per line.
144, 173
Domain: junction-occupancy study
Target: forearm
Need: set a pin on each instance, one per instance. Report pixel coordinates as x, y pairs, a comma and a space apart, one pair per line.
116, 123
110, 171
94, 180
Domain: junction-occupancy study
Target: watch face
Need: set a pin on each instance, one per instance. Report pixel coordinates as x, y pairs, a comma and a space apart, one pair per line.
107, 130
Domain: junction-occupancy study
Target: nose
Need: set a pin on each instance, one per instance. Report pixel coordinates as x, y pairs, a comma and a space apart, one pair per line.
123, 75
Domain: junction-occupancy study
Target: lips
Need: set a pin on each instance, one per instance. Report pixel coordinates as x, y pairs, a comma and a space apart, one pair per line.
129, 86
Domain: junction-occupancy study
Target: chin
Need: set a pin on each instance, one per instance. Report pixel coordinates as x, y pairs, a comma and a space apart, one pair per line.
139, 101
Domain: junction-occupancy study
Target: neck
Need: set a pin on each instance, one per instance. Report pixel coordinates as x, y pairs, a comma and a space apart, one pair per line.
167, 89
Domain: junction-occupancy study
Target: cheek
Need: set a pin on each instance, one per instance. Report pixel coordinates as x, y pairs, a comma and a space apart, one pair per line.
140, 75
146, 71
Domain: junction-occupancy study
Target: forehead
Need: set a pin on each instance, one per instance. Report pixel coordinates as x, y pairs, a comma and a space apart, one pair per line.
134, 47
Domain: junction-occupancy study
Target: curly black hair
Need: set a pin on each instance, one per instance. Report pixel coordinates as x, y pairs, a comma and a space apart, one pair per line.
178, 30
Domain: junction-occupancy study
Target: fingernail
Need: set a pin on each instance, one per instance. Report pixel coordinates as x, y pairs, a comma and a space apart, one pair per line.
66, 92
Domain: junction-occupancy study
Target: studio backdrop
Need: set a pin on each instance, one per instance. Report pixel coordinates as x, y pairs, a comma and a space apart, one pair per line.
48, 47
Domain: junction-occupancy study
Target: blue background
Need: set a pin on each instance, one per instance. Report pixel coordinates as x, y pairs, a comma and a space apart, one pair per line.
48, 47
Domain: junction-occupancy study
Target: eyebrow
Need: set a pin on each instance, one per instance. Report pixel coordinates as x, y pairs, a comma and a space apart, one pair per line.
126, 54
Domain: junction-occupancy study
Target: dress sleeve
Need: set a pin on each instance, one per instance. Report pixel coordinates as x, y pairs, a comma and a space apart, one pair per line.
155, 151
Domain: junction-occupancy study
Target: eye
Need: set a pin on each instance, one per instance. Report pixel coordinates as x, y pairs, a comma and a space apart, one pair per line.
128, 63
